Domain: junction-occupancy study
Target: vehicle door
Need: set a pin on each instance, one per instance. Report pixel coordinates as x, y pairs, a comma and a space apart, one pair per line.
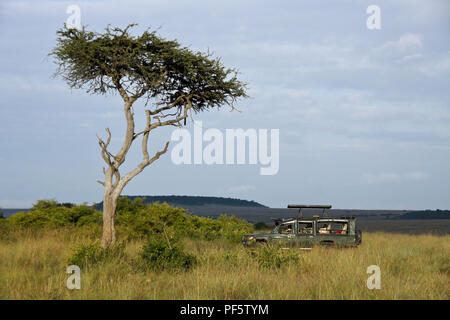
305, 233
286, 232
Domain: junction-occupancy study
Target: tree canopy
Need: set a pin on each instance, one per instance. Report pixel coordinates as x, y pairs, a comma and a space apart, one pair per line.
145, 65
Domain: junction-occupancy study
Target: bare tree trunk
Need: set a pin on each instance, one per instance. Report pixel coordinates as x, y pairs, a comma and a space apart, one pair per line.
114, 183
109, 215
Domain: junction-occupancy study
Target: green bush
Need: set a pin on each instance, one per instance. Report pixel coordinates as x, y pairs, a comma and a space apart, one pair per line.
91, 254
45, 213
134, 219
126, 205
44, 204
160, 254
95, 218
30, 219
150, 219
154, 218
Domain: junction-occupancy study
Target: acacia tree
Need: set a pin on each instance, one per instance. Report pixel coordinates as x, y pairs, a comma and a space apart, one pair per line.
172, 80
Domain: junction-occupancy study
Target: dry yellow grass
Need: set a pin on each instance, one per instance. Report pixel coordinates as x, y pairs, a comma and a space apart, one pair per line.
412, 267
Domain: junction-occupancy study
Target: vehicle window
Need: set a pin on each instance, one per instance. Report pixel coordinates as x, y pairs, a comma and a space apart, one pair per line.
286, 228
339, 228
305, 227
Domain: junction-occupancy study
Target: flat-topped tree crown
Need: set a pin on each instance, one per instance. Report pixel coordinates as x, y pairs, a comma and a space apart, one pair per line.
171, 78
145, 65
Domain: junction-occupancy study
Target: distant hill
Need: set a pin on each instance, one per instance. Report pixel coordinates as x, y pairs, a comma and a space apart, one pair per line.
426, 214
195, 201
9, 212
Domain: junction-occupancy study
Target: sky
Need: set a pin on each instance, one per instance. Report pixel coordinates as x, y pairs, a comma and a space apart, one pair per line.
363, 114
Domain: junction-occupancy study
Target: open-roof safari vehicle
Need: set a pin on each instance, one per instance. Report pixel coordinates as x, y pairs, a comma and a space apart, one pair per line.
307, 232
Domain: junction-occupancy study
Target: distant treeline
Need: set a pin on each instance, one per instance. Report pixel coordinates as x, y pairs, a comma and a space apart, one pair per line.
425, 214
193, 201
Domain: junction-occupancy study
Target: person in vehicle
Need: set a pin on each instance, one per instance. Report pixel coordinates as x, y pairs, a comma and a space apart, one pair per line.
326, 229
343, 230
309, 228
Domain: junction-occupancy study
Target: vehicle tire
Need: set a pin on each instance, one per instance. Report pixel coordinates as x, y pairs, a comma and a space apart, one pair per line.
358, 237
262, 243
327, 243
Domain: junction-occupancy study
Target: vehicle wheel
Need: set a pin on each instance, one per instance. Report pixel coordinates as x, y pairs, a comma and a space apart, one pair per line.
262, 243
358, 237
327, 243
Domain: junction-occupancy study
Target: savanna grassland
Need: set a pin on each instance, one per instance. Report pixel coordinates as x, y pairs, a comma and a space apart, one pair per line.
33, 264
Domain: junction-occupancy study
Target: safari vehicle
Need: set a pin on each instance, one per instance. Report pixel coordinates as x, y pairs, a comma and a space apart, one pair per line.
307, 232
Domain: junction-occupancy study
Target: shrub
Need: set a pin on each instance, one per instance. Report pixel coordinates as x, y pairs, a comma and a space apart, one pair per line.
30, 219
232, 228
46, 213
91, 254
77, 212
154, 218
126, 205
160, 254
150, 219
92, 219
44, 204
134, 219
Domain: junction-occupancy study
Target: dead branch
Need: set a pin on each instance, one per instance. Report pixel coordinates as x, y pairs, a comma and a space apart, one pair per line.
106, 155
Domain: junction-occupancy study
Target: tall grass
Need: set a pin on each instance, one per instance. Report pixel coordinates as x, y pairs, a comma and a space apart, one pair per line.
33, 266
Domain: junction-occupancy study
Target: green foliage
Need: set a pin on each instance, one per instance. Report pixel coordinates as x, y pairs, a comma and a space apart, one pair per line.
134, 219
76, 213
262, 226
155, 218
92, 254
44, 204
274, 256
127, 205
145, 65
47, 213
32, 219
162, 254
148, 220
96, 218
5, 229
1, 214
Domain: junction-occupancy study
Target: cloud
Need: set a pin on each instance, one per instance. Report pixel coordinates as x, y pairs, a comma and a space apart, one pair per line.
412, 57
408, 42
239, 189
417, 176
30, 84
389, 177
392, 54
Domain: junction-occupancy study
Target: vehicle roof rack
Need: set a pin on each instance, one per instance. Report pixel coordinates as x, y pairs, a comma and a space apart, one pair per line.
311, 206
